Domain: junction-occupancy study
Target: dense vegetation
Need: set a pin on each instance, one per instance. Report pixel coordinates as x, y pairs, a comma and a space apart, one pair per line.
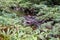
29, 19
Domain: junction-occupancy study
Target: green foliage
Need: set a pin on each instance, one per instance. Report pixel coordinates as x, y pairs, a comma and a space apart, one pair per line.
9, 18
